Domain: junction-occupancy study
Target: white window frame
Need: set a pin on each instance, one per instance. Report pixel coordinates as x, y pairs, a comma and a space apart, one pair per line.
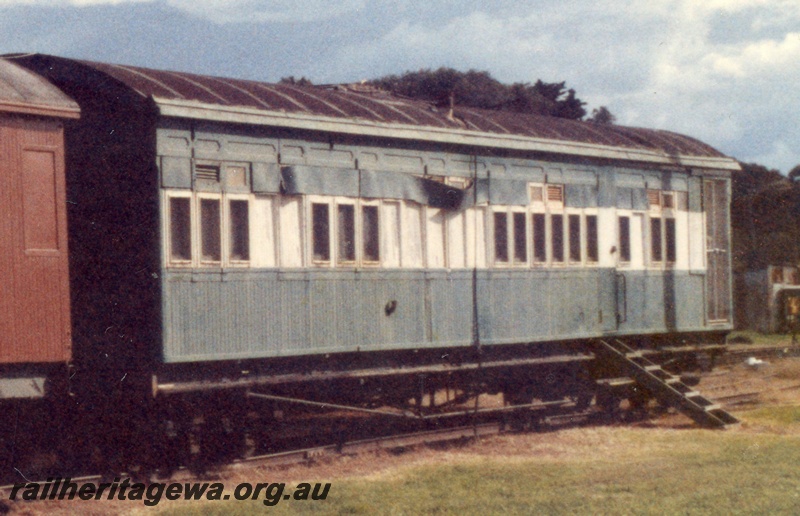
493, 236
167, 229
333, 204
198, 233
360, 240
335, 237
308, 226
624, 264
556, 207
660, 211
226, 229
586, 213
568, 213
509, 212
537, 205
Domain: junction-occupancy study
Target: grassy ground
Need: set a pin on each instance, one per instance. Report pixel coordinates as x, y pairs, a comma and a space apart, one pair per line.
606, 470
666, 467
760, 339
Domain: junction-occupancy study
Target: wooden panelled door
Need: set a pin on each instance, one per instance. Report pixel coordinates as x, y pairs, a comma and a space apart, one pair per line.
718, 281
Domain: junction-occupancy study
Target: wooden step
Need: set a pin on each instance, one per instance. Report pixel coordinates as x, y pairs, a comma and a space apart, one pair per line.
664, 386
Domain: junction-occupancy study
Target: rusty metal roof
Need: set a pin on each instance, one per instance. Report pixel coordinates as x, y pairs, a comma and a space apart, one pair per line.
360, 110
22, 91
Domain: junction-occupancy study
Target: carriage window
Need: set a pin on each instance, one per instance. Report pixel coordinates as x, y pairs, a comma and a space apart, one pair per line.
370, 233
591, 238
671, 240
655, 239
625, 239
180, 229
209, 230
239, 231
500, 237
557, 237
574, 222
539, 238
346, 233
320, 222
520, 238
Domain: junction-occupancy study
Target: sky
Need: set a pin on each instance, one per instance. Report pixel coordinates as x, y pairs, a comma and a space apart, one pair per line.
723, 71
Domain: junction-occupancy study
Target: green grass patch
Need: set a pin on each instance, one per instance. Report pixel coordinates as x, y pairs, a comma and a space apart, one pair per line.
638, 472
787, 415
760, 339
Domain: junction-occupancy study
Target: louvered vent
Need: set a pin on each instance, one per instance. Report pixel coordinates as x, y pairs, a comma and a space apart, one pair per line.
555, 193
654, 198
207, 173
668, 200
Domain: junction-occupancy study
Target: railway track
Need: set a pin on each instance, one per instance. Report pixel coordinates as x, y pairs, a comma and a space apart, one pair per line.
310, 455
719, 390
738, 355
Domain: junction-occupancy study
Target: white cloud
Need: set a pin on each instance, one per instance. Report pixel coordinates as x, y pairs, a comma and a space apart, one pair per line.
67, 3
655, 64
558, 44
229, 11
225, 11
724, 71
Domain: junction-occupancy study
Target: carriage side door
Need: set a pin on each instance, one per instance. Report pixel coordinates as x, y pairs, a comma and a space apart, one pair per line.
718, 294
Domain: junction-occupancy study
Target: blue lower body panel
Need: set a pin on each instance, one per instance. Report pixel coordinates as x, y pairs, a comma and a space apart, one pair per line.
241, 314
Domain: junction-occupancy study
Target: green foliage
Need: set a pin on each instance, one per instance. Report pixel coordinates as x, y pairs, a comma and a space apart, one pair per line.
302, 81
794, 174
602, 115
765, 218
481, 90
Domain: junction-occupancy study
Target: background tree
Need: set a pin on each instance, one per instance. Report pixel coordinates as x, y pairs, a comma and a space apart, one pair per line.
794, 174
481, 90
602, 115
765, 218
302, 81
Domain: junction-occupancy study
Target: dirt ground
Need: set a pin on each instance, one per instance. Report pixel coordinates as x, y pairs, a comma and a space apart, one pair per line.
740, 387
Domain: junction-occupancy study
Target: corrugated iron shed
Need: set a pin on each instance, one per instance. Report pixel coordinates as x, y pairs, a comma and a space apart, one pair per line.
22, 91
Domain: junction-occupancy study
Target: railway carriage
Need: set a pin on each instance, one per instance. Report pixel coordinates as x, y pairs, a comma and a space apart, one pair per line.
35, 335
342, 245
35, 332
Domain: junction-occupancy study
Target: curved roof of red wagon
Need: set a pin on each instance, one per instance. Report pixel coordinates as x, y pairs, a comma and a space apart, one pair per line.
22, 91
364, 111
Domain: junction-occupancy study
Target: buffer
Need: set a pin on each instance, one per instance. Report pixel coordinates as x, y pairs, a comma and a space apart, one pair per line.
664, 386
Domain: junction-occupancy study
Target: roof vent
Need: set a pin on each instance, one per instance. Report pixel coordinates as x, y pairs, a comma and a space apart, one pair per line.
555, 193
207, 173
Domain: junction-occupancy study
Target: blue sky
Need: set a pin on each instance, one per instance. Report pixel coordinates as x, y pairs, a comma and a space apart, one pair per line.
724, 71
